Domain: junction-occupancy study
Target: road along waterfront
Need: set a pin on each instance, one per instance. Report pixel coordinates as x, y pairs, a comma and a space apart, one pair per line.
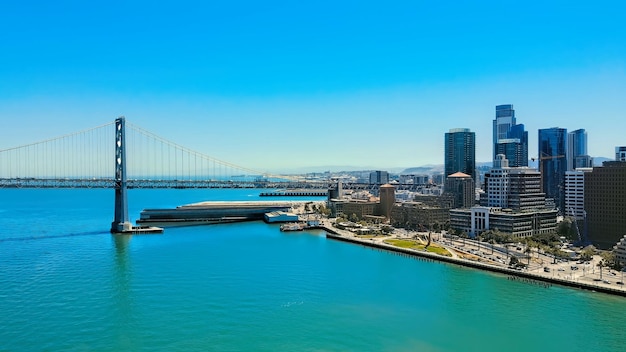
347, 236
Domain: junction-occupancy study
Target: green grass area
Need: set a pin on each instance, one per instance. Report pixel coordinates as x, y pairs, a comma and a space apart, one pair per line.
418, 246
404, 243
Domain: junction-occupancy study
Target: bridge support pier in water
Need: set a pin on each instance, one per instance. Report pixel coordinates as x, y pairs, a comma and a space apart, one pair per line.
121, 223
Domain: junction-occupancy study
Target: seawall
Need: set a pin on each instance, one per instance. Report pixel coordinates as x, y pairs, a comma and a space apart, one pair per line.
332, 234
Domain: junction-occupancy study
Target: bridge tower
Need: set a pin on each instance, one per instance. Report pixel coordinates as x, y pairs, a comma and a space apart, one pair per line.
120, 222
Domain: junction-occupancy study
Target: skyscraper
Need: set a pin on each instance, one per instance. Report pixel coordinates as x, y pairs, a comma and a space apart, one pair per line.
461, 187
460, 152
577, 150
553, 164
620, 153
605, 203
379, 177
509, 138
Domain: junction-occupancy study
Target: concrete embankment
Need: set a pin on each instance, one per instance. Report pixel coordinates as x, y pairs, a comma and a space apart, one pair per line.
524, 276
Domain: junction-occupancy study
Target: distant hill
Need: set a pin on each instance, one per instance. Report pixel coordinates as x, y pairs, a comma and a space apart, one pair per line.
423, 170
428, 169
597, 161
435, 169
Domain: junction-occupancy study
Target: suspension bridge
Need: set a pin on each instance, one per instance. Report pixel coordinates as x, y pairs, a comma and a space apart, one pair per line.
85, 160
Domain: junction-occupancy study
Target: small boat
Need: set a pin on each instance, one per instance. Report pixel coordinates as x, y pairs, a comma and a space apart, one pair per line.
293, 226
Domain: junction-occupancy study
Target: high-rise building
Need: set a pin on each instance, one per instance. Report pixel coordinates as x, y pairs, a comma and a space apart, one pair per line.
516, 188
575, 193
509, 138
379, 177
462, 189
514, 204
552, 155
620, 153
577, 156
460, 152
414, 179
605, 203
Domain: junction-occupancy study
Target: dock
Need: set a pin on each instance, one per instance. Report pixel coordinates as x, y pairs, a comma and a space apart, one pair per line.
296, 193
205, 213
129, 229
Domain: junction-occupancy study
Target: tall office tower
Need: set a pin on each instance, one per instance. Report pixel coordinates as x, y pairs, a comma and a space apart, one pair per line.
461, 188
509, 138
605, 203
497, 183
516, 188
620, 153
552, 154
575, 193
379, 177
460, 152
577, 156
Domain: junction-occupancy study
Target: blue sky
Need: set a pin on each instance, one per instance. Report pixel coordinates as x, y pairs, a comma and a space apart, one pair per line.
283, 85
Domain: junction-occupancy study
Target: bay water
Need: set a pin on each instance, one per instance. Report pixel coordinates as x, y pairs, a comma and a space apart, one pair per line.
66, 284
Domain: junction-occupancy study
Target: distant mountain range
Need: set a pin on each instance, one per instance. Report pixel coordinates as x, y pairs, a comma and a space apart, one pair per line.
427, 169
435, 169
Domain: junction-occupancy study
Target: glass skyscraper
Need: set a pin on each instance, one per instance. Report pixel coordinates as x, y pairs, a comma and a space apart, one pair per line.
553, 163
509, 138
577, 156
460, 152
620, 153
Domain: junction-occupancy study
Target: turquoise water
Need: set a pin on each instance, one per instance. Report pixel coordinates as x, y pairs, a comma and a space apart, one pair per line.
66, 284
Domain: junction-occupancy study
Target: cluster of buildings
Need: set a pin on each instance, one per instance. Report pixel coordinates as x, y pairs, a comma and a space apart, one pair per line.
513, 197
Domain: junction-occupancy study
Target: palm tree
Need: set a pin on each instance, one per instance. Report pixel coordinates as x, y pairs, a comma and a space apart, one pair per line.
492, 242
528, 251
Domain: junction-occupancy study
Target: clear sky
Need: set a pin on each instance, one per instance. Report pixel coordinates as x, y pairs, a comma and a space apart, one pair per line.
279, 85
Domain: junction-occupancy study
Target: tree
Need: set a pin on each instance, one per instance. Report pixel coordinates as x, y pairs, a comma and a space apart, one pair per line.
567, 229
587, 253
528, 251
492, 242
610, 260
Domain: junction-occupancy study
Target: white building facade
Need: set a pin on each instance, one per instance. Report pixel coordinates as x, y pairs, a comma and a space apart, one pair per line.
575, 193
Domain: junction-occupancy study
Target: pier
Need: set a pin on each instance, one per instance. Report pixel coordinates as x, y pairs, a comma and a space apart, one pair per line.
296, 193
205, 213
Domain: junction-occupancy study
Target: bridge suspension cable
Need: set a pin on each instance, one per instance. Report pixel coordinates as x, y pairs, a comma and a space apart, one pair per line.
83, 154
86, 159
165, 159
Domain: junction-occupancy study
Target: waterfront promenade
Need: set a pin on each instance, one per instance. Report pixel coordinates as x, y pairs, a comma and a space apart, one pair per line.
585, 277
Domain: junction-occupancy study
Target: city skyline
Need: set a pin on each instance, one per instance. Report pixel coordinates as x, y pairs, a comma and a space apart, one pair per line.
243, 81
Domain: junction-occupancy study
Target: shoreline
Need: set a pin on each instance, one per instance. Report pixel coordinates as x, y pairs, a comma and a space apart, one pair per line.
336, 235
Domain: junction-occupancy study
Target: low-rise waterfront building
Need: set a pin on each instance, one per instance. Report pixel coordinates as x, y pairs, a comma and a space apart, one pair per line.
280, 216
356, 208
419, 216
478, 219
370, 208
